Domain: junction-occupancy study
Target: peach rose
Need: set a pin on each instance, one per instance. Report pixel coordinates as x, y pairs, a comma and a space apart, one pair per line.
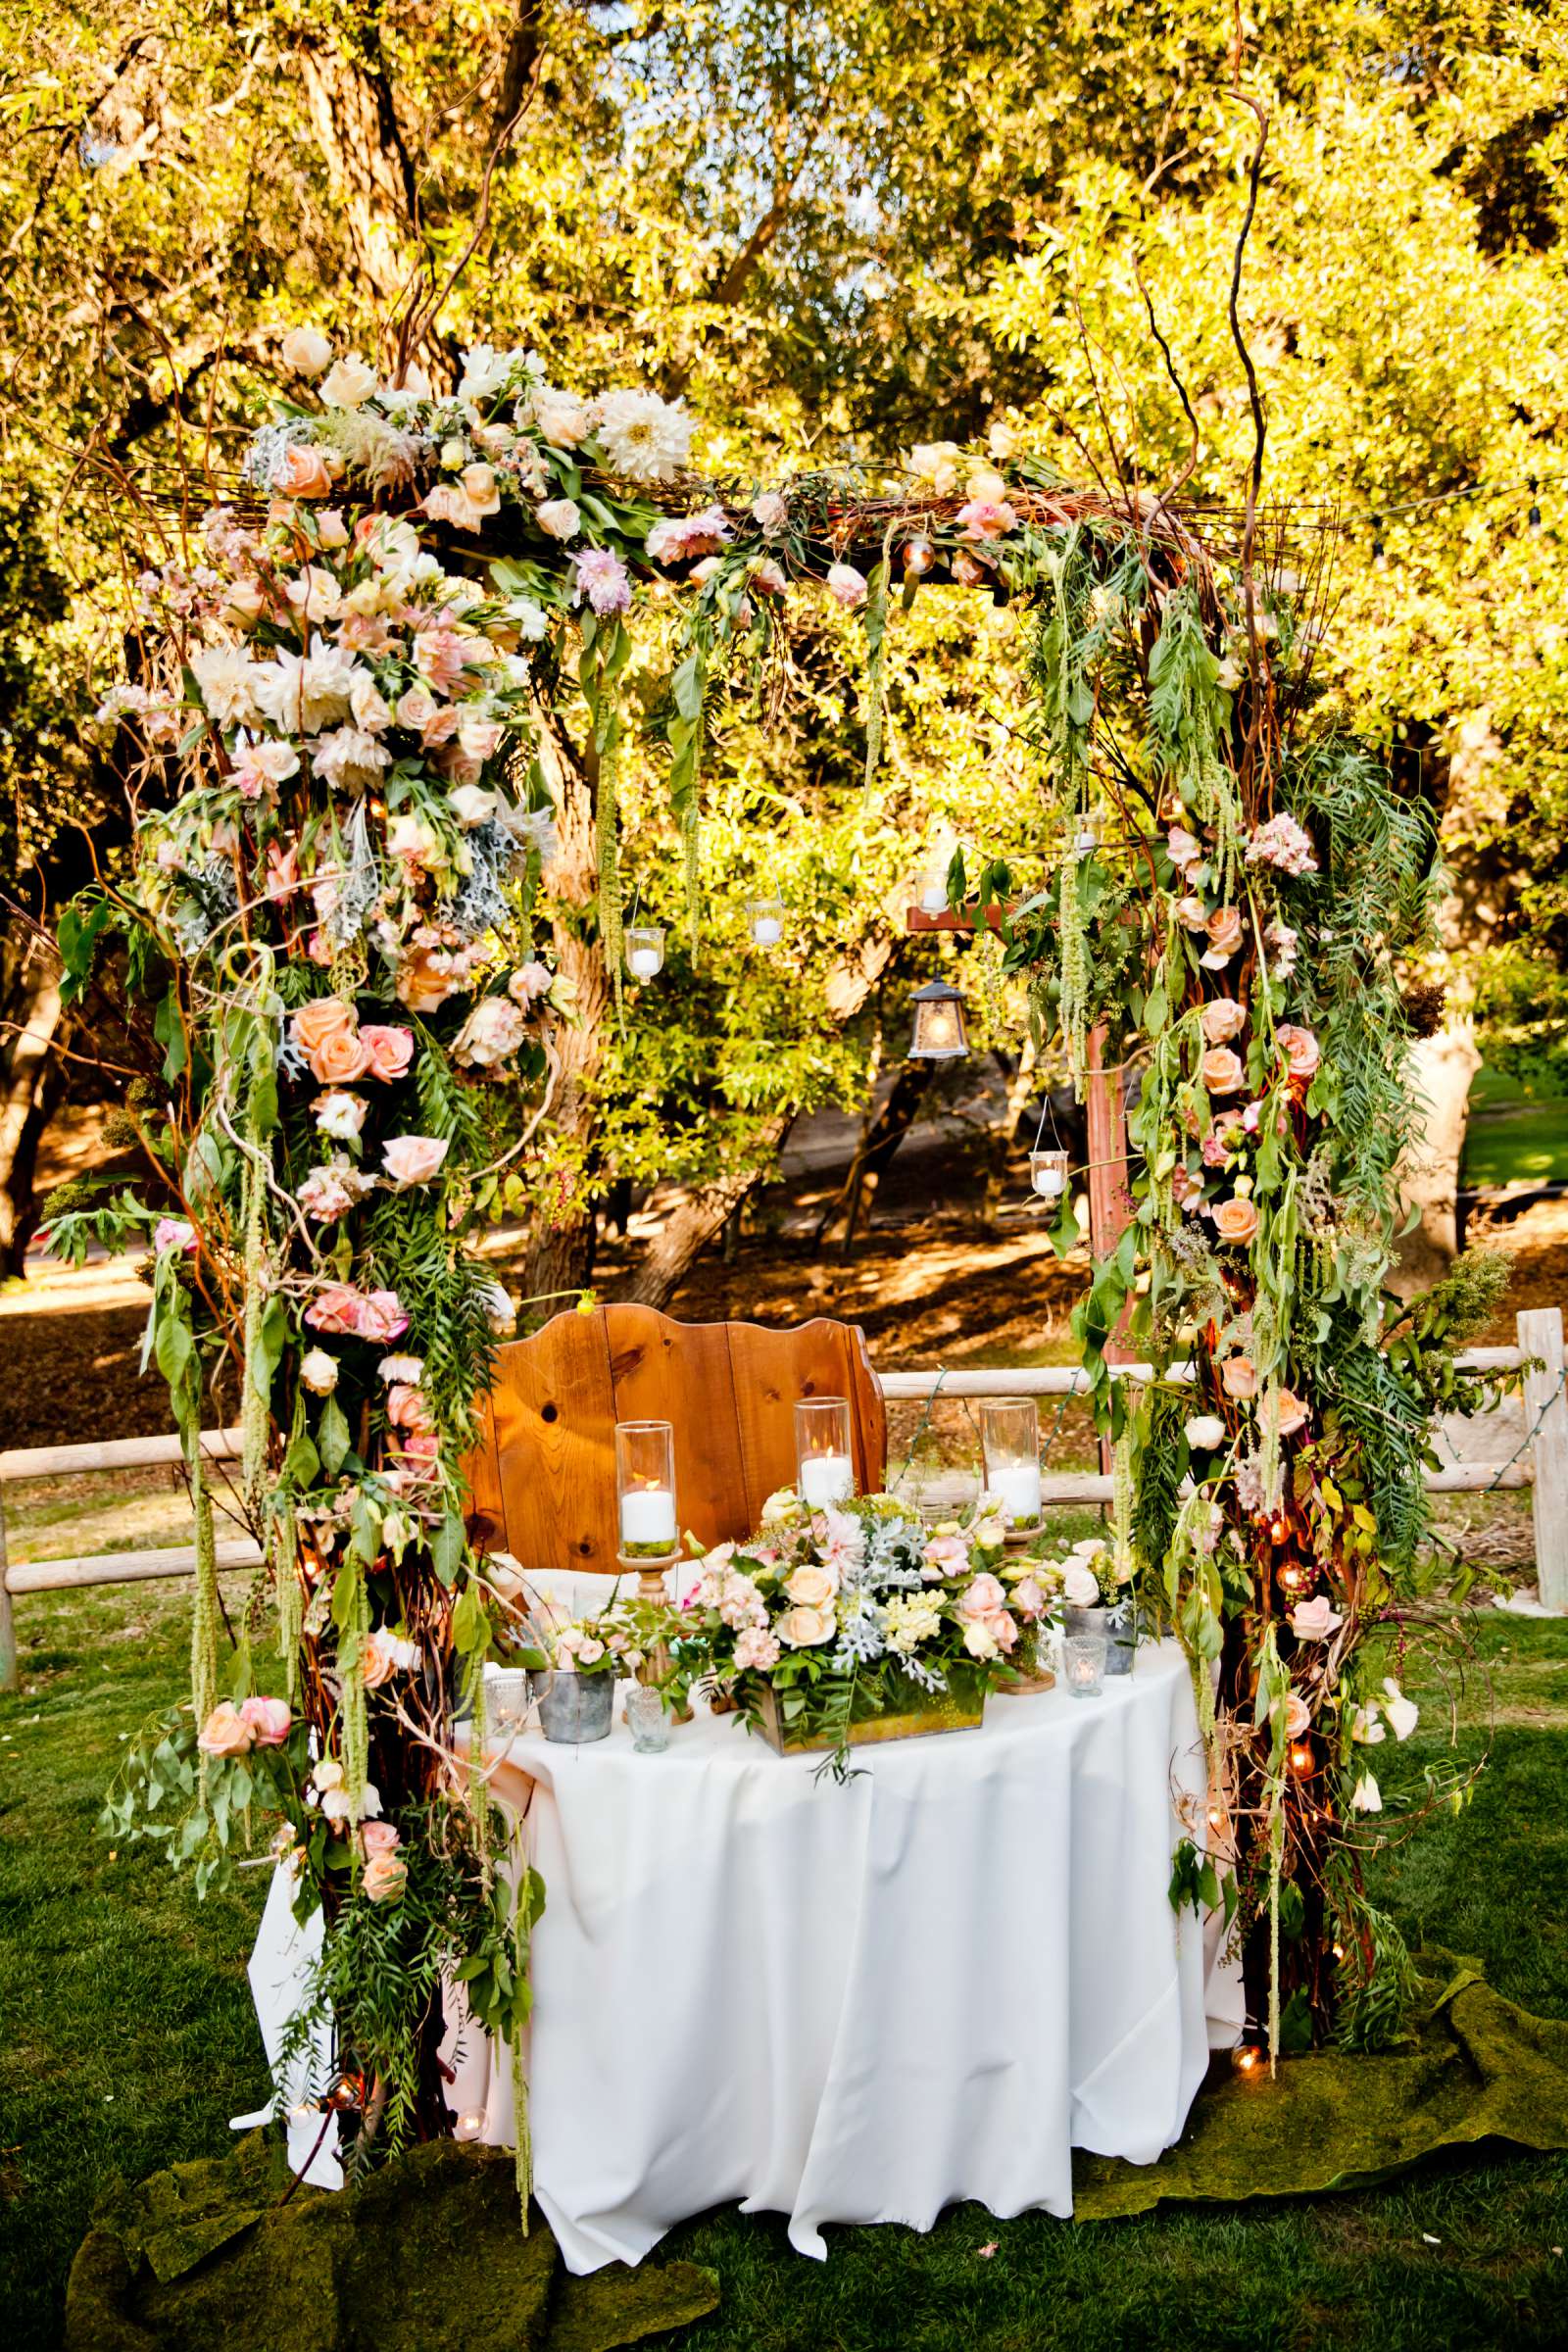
334, 1308
1293, 1413
1235, 1220
269, 1720
322, 1017
407, 1408
302, 472
413, 1158
377, 1837
1301, 1049
1222, 1070
390, 1050
423, 982
226, 1733
1224, 929
385, 1877
810, 1586
1193, 913
377, 1661
339, 1058
1238, 1376
949, 1556
983, 1597
1222, 1020
805, 1629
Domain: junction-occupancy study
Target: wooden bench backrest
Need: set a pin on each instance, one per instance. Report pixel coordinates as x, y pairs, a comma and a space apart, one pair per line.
544, 1477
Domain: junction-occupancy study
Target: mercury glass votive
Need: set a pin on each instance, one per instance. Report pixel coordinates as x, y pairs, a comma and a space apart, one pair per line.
1086, 1664
647, 1720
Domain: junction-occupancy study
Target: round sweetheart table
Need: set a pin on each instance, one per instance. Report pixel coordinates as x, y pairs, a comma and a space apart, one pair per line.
854, 2003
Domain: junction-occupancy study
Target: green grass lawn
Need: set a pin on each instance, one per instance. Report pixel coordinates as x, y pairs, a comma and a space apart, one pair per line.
1511, 1138
126, 2041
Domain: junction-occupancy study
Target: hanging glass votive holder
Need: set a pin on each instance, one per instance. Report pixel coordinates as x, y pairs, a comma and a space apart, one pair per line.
764, 920
1087, 838
1010, 1444
1047, 1174
825, 1457
931, 890
645, 950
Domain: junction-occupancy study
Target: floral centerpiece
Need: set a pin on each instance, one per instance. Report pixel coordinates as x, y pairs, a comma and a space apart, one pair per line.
833, 1627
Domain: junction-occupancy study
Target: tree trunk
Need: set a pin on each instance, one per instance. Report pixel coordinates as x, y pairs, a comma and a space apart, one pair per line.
31, 1082
699, 1217
881, 1140
560, 1248
350, 102
1442, 1068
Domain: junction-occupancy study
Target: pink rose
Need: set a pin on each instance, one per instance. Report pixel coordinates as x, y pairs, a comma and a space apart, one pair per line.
413, 1158
491, 1034
1222, 1071
1301, 1049
1316, 1620
1028, 1600
1222, 1019
269, 1720
380, 1316
1185, 848
226, 1733
416, 708
949, 1556
846, 585
335, 1308
1224, 929
983, 1597
390, 1051
1297, 1716
987, 518
377, 1837
408, 1409
528, 983
1192, 913
173, 1232
1235, 1222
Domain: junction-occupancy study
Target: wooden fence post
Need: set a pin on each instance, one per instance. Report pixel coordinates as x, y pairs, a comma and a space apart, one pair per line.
8, 1621
1546, 1419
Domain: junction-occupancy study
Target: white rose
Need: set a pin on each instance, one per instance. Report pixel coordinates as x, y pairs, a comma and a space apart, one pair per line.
471, 803
307, 350
559, 518
1204, 1432
350, 382
319, 1371
1081, 1585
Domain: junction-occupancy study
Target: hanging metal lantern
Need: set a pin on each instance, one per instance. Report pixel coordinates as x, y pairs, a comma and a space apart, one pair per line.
940, 1032
764, 920
1047, 1174
645, 950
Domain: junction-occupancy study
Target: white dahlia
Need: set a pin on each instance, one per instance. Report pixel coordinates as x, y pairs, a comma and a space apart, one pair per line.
644, 437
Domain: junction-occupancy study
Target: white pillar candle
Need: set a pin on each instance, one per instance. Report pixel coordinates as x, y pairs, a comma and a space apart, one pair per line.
826, 1478
647, 1516
767, 930
1017, 1486
934, 897
1047, 1183
644, 962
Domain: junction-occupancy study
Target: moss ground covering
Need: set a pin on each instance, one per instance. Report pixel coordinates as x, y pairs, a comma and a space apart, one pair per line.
127, 2040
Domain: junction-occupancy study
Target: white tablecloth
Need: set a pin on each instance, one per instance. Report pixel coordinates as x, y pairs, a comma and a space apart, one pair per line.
857, 2004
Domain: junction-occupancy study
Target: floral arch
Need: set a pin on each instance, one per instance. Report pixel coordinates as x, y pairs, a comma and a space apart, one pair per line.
330, 742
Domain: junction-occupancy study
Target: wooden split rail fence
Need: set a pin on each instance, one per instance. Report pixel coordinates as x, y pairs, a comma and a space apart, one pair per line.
1541, 1462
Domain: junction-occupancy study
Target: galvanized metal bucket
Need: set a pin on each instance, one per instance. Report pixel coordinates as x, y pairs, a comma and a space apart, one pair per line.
575, 1707
1117, 1625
